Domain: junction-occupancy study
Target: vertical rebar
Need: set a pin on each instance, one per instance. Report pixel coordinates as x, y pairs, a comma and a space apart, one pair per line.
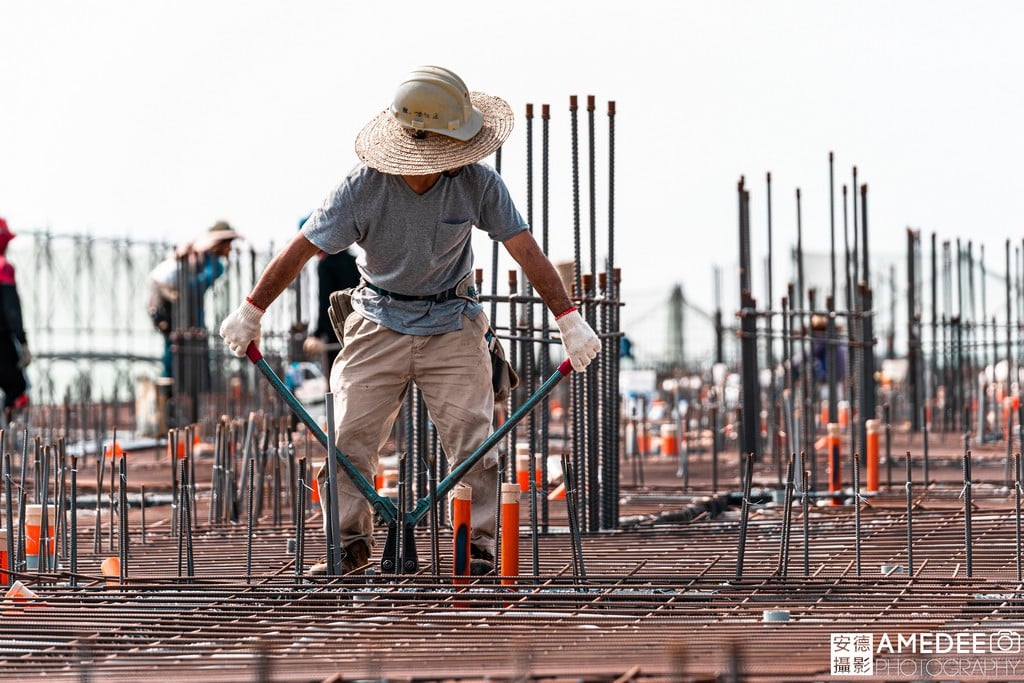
1016, 513
545, 320
300, 516
215, 477
399, 557
769, 346
714, 446
855, 461
641, 434
43, 495
172, 453
60, 498
925, 427
186, 530
122, 518
435, 547
787, 517
1010, 370
112, 495
968, 544
333, 526
806, 514
748, 475
910, 518
73, 555
887, 414
568, 477
21, 563
1009, 440
251, 474
277, 455
142, 514
180, 512
611, 401
12, 558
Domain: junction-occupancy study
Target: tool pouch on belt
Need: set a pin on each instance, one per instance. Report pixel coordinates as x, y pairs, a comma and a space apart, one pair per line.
503, 378
466, 289
339, 310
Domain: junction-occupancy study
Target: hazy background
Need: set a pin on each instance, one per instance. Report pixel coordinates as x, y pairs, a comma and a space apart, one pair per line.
158, 118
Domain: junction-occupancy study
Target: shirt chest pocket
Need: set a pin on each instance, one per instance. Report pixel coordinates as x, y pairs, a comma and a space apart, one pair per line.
451, 237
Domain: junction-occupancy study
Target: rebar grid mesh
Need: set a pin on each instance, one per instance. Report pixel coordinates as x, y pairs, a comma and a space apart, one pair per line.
660, 601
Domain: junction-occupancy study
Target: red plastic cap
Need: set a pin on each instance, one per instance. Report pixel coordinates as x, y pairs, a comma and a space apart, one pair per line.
252, 352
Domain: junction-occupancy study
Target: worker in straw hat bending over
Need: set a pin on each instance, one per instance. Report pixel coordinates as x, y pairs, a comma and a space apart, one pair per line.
411, 206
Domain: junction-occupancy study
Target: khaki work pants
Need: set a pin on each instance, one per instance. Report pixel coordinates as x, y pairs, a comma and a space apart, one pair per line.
370, 379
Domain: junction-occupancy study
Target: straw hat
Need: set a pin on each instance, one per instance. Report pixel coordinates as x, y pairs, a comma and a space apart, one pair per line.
434, 124
217, 233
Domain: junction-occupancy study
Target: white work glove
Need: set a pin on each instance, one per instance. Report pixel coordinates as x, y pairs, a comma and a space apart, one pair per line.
579, 339
242, 327
314, 347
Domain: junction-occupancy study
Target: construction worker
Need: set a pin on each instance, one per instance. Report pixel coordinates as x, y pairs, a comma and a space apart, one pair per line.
195, 266
14, 352
334, 272
411, 205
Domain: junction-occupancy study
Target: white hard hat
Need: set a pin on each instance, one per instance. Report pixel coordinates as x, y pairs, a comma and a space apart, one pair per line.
436, 100
434, 124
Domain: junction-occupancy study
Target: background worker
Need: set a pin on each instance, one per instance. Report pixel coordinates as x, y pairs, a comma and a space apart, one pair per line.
178, 286
14, 352
334, 272
411, 205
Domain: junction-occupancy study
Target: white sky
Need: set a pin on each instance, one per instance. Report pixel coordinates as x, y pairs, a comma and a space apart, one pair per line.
155, 119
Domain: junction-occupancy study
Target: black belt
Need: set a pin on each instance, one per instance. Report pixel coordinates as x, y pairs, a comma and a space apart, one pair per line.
436, 298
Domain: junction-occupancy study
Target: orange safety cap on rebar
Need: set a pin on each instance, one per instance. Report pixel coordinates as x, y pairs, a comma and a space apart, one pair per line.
510, 533
669, 443
872, 455
19, 593
115, 452
462, 498
111, 568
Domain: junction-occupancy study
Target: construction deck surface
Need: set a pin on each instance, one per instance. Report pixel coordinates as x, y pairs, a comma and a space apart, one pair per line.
695, 584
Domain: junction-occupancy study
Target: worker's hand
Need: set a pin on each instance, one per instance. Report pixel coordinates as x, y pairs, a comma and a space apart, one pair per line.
24, 356
242, 327
314, 347
579, 339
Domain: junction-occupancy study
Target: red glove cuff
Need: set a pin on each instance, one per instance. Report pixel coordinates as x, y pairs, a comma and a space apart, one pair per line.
249, 299
562, 314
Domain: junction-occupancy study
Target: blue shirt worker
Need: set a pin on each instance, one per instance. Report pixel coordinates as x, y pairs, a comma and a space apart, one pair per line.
178, 286
411, 205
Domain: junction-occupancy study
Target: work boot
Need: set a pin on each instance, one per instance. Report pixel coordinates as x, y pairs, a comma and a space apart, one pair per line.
357, 557
481, 562
355, 561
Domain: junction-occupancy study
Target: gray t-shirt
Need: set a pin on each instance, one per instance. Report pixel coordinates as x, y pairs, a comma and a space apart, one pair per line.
414, 244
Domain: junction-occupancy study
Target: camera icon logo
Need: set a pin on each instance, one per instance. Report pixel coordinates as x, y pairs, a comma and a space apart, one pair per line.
1004, 642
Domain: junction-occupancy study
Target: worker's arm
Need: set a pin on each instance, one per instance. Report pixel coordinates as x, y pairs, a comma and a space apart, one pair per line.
579, 339
243, 326
539, 271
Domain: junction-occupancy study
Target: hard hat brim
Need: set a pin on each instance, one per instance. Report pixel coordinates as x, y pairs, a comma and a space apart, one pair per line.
386, 145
